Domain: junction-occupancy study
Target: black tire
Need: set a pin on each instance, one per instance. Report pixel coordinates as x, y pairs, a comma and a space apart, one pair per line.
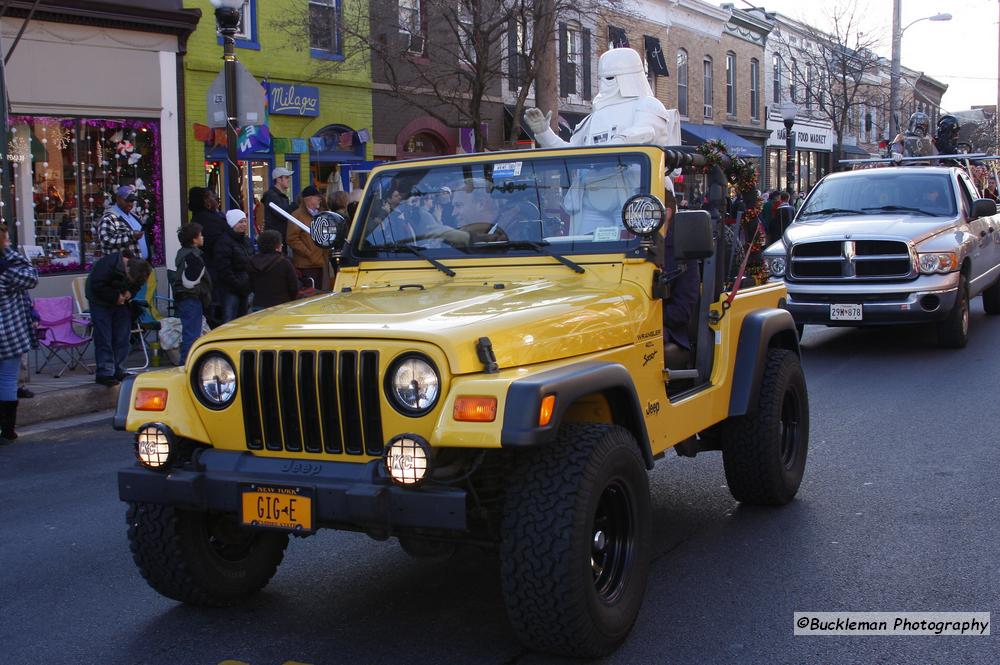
991, 299
953, 332
575, 541
764, 452
201, 558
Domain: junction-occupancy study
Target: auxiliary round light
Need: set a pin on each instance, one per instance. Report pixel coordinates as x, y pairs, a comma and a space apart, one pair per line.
215, 380
413, 385
408, 460
154, 445
643, 214
327, 229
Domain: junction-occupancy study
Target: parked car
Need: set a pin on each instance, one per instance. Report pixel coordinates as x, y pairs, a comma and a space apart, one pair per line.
892, 245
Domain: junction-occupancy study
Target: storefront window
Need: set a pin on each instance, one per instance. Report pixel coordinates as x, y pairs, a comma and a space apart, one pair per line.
65, 171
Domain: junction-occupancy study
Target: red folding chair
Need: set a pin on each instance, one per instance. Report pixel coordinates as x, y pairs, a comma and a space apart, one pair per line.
58, 338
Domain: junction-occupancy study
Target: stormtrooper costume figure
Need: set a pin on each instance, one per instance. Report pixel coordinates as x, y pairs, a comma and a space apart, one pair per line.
624, 110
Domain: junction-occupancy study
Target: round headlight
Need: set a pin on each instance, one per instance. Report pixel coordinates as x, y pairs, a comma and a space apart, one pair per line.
408, 459
153, 445
775, 265
215, 380
327, 229
413, 385
643, 214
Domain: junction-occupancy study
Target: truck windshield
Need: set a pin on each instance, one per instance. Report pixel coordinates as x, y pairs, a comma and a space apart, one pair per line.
872, 193
503, 205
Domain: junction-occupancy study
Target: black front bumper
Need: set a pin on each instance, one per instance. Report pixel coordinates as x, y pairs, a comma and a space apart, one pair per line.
347, 495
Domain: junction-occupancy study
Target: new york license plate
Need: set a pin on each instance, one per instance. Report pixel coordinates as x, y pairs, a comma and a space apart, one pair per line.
841, 312
277, 506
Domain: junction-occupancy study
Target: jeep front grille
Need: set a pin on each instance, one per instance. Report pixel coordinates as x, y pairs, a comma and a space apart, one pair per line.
325, 401
850, 259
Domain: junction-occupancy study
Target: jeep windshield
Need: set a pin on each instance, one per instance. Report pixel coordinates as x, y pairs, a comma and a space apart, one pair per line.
506, 204
871, 192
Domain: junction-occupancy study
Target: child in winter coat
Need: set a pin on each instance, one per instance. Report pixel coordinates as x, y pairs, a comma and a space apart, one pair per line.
272, 276
192, 285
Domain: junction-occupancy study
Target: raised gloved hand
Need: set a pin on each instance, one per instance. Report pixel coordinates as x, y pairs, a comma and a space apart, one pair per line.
536, 121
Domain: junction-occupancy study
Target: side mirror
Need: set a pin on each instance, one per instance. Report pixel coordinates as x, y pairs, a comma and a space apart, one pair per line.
983, 208
693, 235
328, 229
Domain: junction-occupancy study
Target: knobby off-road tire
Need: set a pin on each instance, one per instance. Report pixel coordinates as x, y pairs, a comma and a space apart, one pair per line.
991, 299
764, 452
201, 558
953, 332
575, 541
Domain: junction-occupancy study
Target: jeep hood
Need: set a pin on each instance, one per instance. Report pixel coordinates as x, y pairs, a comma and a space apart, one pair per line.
527, 322
899, 227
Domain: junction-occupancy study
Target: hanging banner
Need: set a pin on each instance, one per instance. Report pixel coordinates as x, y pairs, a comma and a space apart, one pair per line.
654, 57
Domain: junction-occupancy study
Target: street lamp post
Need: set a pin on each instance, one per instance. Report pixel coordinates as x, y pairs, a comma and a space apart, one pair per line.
227, 15
788, 112
894, 76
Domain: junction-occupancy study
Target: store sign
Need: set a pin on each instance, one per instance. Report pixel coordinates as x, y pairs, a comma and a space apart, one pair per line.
292, 99
806, 138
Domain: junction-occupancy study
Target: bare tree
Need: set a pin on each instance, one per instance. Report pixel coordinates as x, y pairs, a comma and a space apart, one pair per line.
832, 72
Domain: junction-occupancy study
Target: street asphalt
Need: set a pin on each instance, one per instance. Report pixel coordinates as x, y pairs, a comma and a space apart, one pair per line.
899, 511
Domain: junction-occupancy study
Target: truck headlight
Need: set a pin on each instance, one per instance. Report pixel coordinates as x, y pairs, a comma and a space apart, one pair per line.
214, 380
938, 262
408, 460
775, 265
154, 444
413, 385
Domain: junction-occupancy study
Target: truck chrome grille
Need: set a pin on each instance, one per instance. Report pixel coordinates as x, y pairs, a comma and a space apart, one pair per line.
850, 259
325, 401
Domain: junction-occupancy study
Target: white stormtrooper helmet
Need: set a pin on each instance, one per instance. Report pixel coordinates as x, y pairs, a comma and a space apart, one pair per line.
621, 77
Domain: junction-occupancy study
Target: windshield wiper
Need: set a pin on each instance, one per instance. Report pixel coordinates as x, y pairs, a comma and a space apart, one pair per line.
416, 250
902, 209
540, 247
832, 211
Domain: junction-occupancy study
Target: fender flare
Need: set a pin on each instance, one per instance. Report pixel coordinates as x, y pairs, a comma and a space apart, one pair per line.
761, 330
524, 398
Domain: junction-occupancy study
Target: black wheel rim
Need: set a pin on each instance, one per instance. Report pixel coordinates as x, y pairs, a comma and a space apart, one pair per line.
227, 539
790, 427
612, 541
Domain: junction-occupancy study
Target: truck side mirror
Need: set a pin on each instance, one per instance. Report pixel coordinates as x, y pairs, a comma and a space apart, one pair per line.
983, 208
693, 235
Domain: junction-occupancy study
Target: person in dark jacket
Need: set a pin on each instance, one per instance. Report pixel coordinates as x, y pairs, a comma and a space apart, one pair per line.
272, 276
205, 211
277, 194
17, 336
110, 286
192, 285
232, 263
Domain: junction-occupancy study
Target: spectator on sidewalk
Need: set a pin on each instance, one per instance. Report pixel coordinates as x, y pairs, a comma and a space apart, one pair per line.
277, 194
17, 335
272, 276
192, 285
308, 257
232, 263
121, 231
112, 282
204, 206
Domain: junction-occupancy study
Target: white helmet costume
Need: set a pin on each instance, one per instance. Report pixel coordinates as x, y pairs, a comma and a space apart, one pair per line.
624, 110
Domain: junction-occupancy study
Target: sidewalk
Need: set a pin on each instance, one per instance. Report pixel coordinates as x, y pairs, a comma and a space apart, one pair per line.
72, 394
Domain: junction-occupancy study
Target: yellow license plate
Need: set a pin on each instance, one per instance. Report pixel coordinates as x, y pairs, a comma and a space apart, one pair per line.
277, 506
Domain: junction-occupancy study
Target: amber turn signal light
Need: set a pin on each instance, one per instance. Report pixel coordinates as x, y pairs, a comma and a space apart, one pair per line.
547, 409
475, 409
150, 399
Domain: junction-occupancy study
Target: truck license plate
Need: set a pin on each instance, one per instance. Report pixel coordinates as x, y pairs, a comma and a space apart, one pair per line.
842, 312
277, 506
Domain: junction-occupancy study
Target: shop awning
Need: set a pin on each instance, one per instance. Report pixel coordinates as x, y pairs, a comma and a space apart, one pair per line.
692, 134
853, 152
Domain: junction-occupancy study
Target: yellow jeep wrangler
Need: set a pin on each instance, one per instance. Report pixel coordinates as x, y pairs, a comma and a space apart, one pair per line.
489, 370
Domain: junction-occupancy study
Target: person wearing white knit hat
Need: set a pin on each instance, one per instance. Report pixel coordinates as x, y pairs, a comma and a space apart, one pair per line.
232, 266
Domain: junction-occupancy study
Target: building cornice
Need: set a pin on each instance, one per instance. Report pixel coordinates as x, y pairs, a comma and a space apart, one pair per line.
130, 16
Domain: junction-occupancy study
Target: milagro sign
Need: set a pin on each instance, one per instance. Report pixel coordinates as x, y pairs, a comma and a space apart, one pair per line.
292, 99
806, 137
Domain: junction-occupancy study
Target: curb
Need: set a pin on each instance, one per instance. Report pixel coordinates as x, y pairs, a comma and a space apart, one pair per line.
66, 403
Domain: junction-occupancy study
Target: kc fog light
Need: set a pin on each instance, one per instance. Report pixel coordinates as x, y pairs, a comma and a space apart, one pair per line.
154, 445
408, 460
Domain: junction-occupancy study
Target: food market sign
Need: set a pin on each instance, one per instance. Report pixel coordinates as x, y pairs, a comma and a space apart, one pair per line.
293, 99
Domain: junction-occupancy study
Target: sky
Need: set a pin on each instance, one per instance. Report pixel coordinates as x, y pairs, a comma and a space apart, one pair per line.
961, 52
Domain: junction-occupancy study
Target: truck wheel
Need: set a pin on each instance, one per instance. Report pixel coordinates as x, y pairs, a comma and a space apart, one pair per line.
201, 558
991, 299
764, 452
953, 332
575, 541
